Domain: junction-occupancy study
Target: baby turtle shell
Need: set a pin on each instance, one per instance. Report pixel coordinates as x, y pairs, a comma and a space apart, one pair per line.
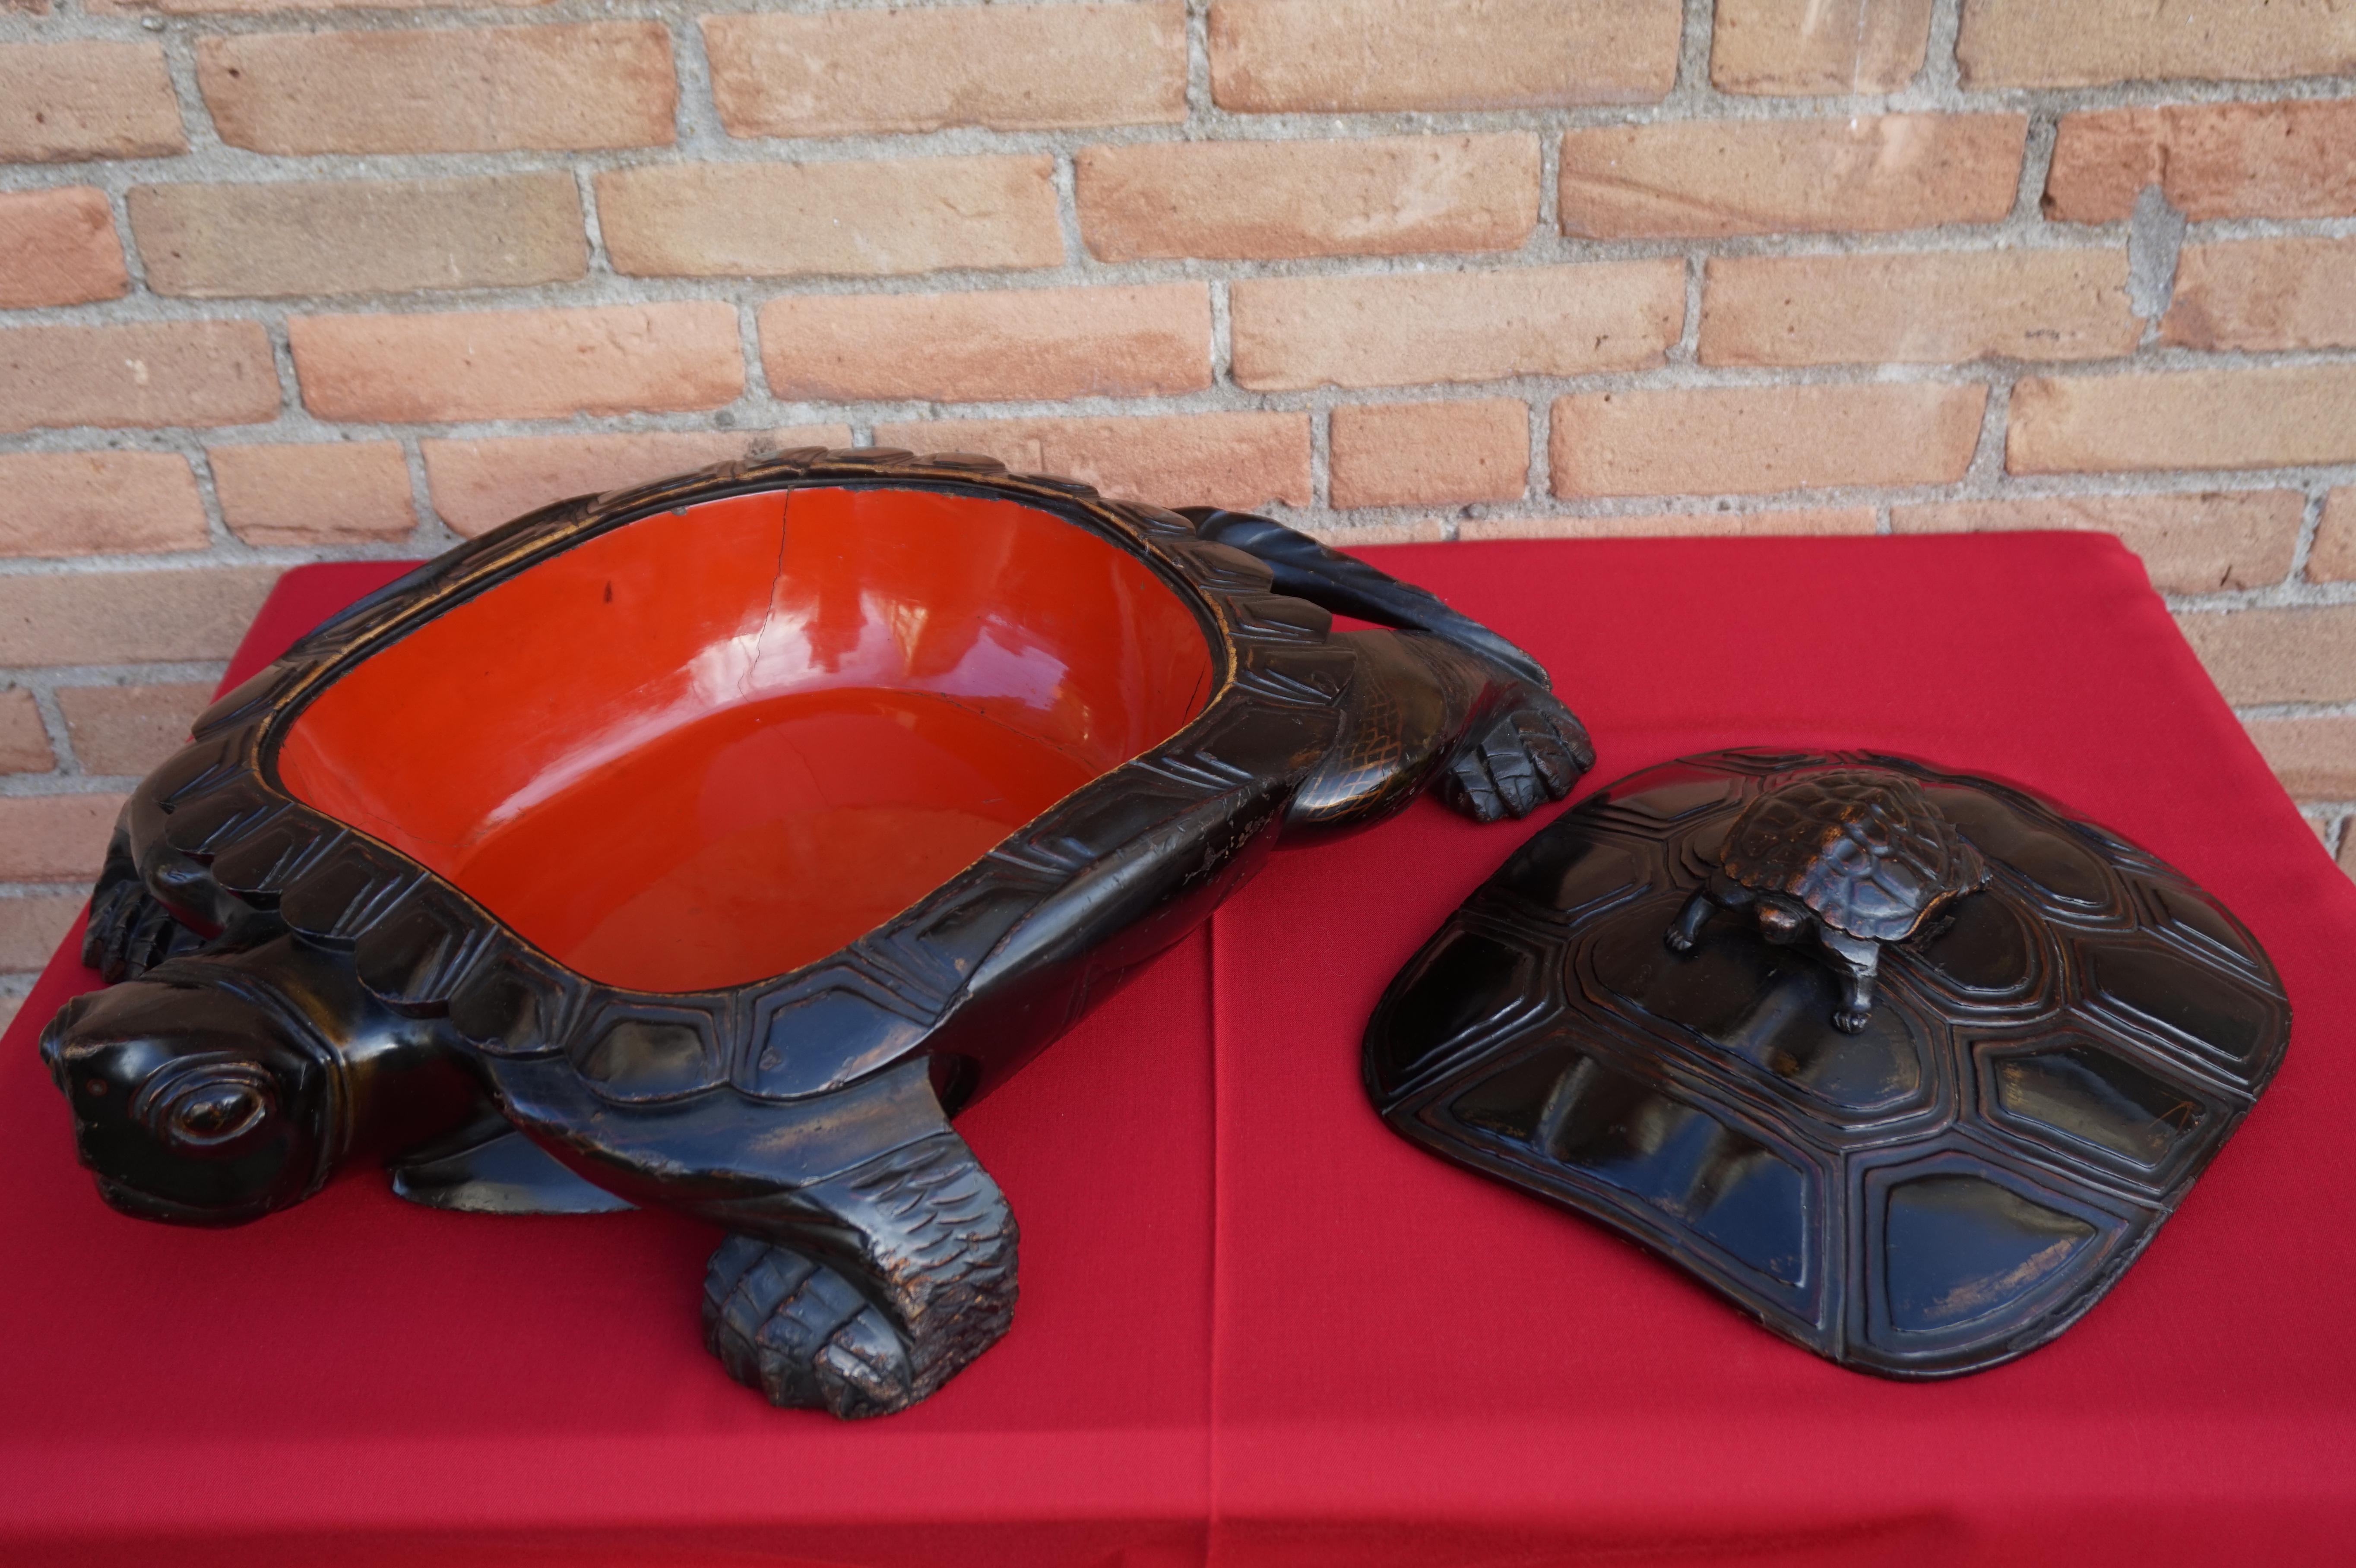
2045, 1075
1863, 848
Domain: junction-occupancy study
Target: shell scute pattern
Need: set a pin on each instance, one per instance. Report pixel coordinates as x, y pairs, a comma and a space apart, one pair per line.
1863, 848
2041, 1082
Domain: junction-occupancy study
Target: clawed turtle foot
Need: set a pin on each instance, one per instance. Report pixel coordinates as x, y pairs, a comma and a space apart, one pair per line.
802, 1335
1528, 750
130, 931
1852, 1020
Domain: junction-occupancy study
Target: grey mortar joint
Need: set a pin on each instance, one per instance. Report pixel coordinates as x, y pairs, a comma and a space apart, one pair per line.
2154, 240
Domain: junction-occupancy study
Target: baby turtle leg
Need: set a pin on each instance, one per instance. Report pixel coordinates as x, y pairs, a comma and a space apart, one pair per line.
1858, 959
1685, 930
1721, 892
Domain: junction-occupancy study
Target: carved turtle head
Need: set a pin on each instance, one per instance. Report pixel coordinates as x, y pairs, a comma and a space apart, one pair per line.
193, 1103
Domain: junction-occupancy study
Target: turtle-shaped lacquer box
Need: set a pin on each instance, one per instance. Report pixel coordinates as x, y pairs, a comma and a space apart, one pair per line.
708, 845
2053, 1056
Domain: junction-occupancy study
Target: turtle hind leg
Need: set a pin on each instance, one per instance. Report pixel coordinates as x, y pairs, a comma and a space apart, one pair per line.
1858, 959
876, 1288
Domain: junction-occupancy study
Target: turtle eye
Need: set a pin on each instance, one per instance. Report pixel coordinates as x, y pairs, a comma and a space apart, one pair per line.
206, 1103
217, 1113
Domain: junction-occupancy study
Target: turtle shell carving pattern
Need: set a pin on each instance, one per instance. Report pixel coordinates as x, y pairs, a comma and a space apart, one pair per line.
1862, 847
2052, 1064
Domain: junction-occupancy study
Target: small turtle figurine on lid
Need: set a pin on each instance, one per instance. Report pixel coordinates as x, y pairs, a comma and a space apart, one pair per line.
1922, 1143
1858, 856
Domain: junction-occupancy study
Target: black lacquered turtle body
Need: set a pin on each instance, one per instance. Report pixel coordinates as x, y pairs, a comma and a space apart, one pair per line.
2054, 1057
707, 845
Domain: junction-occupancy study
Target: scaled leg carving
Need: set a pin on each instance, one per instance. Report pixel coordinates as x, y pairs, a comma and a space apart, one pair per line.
863, 1293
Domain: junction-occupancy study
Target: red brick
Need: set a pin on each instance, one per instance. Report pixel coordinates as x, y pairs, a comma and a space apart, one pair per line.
1172, 460
31, 927
1718, 177
129, 617
1009, 68
1937, 306
853, 219
1403, 328
520, 364
99, 503
154, 373
2332, 557
63, 102
58, 247
1412, 455
55, 838
254, 8
981, 347
1730, 439
1382, 195
579, 86
2189, 544
328, 492
2262, 418
478, 484
2265, 293
2210, 160
1809, 48
129, 731
1274, 57
2090, 43
2304, 655
24, 742
2314, 757
349, 237
1675, 525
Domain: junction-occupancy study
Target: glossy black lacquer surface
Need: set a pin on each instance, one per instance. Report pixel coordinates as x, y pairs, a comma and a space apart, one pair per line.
2053, 1059
294, 991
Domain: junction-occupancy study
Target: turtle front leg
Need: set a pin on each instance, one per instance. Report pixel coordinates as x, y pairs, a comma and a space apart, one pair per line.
1685, 930
862, 1293
1423, 714
1858, 960
130, 931
1719, 891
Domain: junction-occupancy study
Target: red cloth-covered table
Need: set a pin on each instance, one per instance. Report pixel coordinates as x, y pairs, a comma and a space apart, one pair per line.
1256, 1326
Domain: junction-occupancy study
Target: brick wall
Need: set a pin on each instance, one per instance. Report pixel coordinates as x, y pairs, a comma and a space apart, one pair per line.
288, 279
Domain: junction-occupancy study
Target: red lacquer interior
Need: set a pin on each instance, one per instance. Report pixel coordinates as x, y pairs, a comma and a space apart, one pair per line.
713, 745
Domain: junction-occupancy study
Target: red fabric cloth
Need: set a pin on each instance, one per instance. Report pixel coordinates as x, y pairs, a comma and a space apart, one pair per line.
1256, 1326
